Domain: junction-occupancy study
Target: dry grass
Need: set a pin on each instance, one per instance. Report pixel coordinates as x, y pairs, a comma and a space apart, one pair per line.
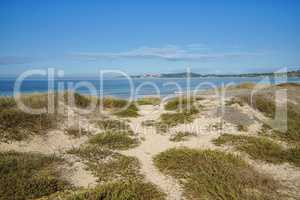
113, 125
76, 132
266, 105
124, 190
261, 148
29, 176
107, 165
131, 111
182, 104
115, 140
148, 101
18, 125
215, 175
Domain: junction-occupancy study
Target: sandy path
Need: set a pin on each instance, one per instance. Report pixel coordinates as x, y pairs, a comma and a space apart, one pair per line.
154, 144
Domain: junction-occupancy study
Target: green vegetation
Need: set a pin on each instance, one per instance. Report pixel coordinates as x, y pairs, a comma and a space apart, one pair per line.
107, 165
179, 104
113, 125
81, 100
181, 136
148, 101
115, 140
131, 111
215, 175
124, 190
18, 125
149, 123
28, 176
113, 103
247, 85
261, 148
241, 127
133, 190
234, 100
267, 106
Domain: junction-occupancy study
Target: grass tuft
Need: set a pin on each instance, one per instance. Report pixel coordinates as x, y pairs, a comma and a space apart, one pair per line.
16, 125
214, 175
113, 125
115, 140
107, 165
181, 136
124, 190
148, 101
261, 148
131, 111
76, 132
180, 104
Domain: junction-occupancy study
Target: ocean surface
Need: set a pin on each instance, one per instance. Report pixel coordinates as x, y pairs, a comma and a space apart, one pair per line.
140, 87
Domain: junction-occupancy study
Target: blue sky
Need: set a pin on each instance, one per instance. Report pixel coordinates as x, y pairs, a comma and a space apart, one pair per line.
213, 36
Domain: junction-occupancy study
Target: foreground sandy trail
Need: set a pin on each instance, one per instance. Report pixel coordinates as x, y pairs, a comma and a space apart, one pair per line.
151, 145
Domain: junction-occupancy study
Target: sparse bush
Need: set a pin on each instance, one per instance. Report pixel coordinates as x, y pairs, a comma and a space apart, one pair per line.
215, 175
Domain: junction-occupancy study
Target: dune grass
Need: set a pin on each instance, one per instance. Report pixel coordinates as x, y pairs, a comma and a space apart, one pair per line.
27, 176
113, 103
149, 123
115, 140
148, 101
16, 125
82, 101
131, 111
180, 104
261, 148
133, 190
267, 106
106, 164
124, 190
76, 132
181, 136
113, 125
215, 175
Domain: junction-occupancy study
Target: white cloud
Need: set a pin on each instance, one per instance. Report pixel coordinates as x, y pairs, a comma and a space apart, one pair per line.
170, 52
